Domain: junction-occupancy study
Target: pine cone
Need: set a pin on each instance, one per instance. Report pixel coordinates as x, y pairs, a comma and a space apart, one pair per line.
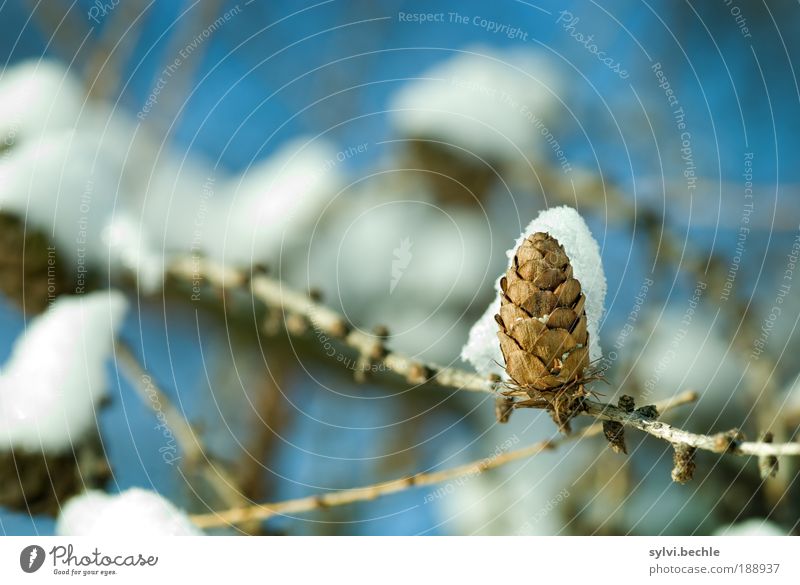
543, 334
34, 482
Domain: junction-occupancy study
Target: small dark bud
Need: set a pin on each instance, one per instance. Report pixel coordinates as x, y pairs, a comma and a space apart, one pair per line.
650, 411
767, 464
728, 441
378, 352
315, 294
418, 374
615, 435
626, 403
683, 461
381, 331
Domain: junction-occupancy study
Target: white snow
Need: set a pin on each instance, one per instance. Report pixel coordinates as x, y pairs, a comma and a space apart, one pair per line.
37, 97
482, 99
384, 244
109, 194
386, 253
43, 98
52, 382
134, 512
64, 186
752, 527
254, 217
263, 213
71, 163
129, 245
78, 192
482, 349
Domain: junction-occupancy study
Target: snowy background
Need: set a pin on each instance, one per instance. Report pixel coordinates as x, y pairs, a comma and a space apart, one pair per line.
285, 132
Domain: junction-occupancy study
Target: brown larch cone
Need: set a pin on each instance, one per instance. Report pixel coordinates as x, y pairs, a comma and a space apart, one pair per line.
35, 482
543, 333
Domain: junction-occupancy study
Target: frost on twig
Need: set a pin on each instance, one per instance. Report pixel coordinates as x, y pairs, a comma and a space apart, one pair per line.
276, 295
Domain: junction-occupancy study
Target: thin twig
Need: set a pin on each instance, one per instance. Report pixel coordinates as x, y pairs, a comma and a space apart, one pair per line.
276, 295
64, 29
371, 492
110, 53
720, 443
193, 23
155, 398
185, 436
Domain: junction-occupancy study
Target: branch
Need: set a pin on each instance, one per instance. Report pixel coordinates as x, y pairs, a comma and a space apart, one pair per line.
340, 498
155, 398
727, 442
276, 295
108, 58
63, 28
185, 436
